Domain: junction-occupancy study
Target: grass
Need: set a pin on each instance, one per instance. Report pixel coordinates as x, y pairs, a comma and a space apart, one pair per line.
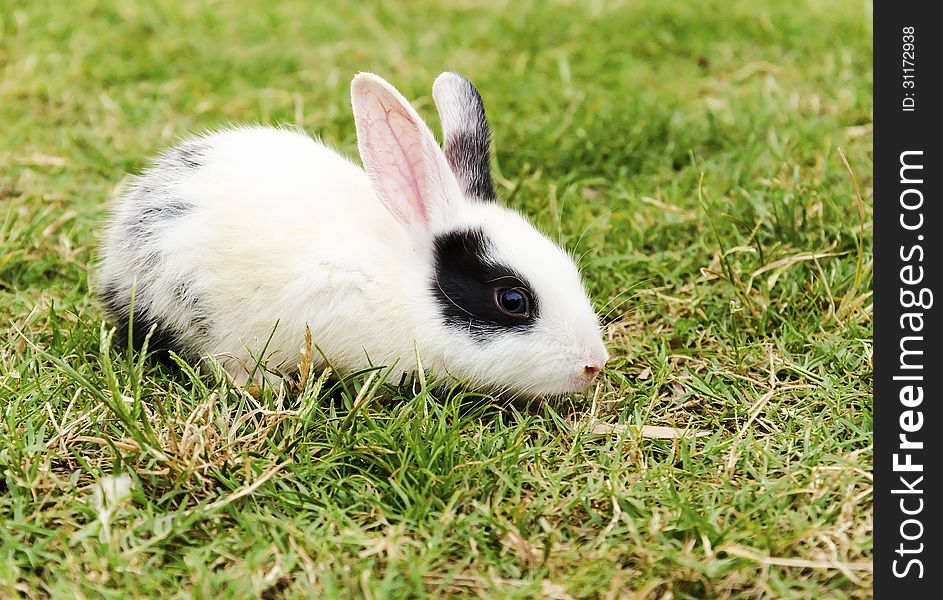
689, 152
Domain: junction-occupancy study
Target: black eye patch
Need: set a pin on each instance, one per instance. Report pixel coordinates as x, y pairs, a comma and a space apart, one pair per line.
464, 285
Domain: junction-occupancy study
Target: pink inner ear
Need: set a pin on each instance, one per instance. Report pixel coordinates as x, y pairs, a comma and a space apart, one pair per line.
395, 160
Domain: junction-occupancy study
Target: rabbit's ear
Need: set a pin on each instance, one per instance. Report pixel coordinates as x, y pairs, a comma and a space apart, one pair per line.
403, 161
467, 137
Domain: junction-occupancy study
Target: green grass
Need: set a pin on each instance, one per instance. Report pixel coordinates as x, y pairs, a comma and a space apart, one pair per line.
688, 152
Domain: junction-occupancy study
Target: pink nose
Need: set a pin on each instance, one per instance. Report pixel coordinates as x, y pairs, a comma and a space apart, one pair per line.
591, 370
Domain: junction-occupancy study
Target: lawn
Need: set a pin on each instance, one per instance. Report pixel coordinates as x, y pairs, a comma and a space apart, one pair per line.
708, 162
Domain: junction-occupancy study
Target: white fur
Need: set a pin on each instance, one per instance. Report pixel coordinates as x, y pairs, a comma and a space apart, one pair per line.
282, 229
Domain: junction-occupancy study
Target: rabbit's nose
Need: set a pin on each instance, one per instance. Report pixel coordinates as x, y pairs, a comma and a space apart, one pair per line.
595, 367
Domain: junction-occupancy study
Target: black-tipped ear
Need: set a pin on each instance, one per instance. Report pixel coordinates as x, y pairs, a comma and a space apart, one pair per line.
466, 135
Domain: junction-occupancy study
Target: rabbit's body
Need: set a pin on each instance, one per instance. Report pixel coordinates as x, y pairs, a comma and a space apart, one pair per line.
234, 243
265, 201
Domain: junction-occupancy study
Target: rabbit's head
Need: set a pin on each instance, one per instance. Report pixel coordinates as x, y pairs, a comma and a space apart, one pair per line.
503, 306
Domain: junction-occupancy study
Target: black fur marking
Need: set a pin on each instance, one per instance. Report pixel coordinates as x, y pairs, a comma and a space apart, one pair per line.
464, 283
161, 342
190, 155
169, 210
468, 155
468, 147
186, 296
155, 216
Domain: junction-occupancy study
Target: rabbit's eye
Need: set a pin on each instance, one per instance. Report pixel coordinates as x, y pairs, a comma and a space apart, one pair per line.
512, 301
477, 295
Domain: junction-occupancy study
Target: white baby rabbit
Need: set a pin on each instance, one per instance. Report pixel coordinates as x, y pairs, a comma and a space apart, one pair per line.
234, 242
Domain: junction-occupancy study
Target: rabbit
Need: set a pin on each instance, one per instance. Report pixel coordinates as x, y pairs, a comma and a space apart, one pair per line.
234, 243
